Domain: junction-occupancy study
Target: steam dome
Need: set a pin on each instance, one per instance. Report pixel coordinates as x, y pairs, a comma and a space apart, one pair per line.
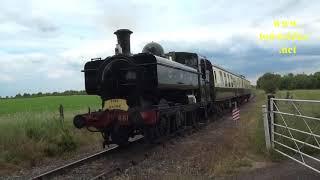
153, 48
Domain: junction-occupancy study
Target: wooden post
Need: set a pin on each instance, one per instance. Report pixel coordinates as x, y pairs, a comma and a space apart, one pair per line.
61, 112
266, 126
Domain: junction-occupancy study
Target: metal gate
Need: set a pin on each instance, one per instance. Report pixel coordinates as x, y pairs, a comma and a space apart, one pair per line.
292, 128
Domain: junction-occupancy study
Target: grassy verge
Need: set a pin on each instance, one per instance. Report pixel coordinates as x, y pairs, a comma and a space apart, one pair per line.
27, 136
244, 146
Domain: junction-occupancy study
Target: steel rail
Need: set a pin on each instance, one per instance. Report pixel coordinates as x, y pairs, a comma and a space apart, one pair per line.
60, 170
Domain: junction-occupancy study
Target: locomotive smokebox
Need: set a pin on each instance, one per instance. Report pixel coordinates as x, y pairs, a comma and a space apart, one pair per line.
123, 36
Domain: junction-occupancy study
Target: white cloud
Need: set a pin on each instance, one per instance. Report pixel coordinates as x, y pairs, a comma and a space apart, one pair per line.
89, 49
60, 73
6, 78
49, 41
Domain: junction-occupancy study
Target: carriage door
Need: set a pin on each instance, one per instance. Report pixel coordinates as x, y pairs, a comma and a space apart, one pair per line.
205, 82
210, 81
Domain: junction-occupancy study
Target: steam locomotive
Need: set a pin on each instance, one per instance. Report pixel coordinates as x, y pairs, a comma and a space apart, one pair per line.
155, 93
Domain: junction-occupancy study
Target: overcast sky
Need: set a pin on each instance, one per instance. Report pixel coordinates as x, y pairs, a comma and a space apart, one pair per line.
44, 44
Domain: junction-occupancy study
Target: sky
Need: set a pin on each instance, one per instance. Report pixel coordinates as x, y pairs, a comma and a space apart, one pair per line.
44, 44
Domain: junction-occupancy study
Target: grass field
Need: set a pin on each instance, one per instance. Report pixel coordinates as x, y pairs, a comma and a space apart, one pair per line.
30, 129
47, 103
300, 94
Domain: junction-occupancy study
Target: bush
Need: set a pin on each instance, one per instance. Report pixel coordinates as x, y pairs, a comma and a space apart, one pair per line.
269, 82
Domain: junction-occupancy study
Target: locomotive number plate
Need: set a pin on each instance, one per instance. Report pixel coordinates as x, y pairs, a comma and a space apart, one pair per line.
120, 104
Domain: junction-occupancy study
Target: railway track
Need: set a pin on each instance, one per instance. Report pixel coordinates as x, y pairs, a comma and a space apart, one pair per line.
132, 158
126, 162
104, 174
63, 169
137, 159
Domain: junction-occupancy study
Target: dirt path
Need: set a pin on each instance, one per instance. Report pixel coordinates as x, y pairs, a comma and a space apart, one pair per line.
288, 170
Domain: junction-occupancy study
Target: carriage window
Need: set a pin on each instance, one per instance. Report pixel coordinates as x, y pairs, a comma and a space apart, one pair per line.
221, 77
215, 76
225, 80
238, 83
232, 79
237, 80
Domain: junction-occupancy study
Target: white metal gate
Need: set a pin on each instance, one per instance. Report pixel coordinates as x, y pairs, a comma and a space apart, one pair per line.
292, 128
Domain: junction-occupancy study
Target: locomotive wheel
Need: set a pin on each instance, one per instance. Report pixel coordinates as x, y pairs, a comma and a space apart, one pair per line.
150, 134
195, 119
162, 129
180, 120
119, 136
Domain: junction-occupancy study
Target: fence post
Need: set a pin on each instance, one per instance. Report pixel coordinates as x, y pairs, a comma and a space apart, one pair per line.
61, 112
266, 126
271, 117
272, 121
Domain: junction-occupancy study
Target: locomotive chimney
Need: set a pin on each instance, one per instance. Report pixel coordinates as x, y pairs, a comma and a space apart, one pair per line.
123, 36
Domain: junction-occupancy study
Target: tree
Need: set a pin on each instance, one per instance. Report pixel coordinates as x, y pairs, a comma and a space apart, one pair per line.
302, 81
26, 95
269, 82
316, 80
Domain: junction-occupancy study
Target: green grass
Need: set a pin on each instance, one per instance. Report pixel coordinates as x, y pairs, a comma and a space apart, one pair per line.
30, 129
48, 103
300, 94
256, 129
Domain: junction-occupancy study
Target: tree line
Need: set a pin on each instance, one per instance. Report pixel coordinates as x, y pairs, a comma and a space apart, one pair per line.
271, 82
40, 94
